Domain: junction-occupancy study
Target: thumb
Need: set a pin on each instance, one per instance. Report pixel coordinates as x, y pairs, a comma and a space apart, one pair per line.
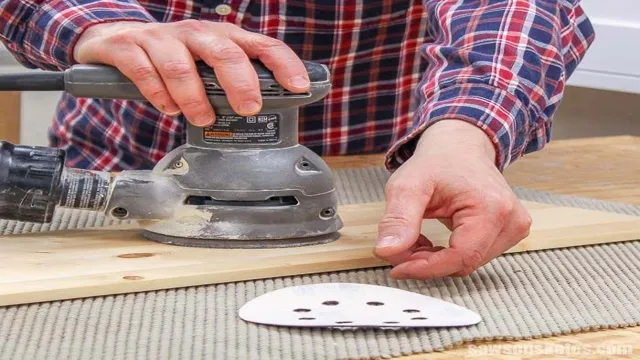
399, 228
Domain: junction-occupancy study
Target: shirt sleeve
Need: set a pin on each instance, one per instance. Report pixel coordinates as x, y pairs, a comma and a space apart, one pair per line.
42, 34
501, 65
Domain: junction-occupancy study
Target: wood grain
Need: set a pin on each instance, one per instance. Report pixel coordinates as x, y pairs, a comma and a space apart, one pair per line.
354, 161
10, 116
71, 264
606, 168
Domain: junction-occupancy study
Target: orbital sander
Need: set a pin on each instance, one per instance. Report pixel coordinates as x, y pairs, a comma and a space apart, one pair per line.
243, 182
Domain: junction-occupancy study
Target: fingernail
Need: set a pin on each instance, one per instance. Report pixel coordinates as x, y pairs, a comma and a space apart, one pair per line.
388, 241
299, 81
204, 120
172, 112
250, 107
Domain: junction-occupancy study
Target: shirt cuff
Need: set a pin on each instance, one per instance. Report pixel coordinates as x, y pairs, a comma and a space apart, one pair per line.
500, 114
57, 25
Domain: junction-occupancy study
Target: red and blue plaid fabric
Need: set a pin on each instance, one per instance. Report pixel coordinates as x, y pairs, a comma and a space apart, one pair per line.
397, 67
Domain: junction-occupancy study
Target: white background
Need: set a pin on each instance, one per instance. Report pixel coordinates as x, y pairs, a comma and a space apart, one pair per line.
613, 61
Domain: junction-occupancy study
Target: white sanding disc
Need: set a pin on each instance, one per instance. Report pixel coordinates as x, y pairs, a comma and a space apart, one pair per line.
353, 305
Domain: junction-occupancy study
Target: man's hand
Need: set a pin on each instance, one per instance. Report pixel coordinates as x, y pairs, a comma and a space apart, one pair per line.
451, 177
159, 59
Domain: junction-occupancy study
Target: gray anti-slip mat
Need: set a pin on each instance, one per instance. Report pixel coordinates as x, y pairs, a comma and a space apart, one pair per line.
519, 296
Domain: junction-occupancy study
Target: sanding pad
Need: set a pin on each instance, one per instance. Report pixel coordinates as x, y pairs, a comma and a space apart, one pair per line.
349, 305
241, 244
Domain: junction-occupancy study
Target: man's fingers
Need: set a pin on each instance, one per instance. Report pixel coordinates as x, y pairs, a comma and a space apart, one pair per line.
426, 250
471, 241
137, 66
516, 230
422, 243
123, 53
233, 69
427, 265
469, 245
400, 258
286, 66
400, 226
167, 76
447, 222
175, 64
422, 252
473, 244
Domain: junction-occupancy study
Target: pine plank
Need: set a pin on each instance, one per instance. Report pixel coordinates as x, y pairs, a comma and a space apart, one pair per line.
91, 262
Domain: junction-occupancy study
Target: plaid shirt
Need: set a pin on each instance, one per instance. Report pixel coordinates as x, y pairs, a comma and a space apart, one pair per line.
397, 66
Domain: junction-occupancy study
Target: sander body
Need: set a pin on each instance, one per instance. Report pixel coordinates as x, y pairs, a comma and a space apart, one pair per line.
243, 182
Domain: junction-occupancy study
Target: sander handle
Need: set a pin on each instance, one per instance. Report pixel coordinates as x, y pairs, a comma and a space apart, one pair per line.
86, 81
100, 81
33, 81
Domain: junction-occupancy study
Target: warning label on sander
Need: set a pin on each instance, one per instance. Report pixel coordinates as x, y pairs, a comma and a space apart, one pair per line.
234, 129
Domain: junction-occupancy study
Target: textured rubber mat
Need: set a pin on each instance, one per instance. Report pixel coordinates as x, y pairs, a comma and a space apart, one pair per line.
519, 296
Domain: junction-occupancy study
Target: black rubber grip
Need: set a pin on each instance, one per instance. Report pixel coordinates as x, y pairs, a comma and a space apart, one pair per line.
33, 81
29, 182
316, 72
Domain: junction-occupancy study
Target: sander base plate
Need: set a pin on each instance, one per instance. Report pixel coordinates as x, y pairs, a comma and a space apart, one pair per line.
241, 244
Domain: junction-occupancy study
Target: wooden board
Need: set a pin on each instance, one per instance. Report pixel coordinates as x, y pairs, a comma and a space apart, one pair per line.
604, 168
10, 116
71, 264
601, 168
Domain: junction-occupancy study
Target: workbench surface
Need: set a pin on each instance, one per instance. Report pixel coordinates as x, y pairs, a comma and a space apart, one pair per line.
606, 168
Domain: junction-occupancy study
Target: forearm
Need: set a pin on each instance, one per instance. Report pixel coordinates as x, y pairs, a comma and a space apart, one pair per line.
42, 34
499, 65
